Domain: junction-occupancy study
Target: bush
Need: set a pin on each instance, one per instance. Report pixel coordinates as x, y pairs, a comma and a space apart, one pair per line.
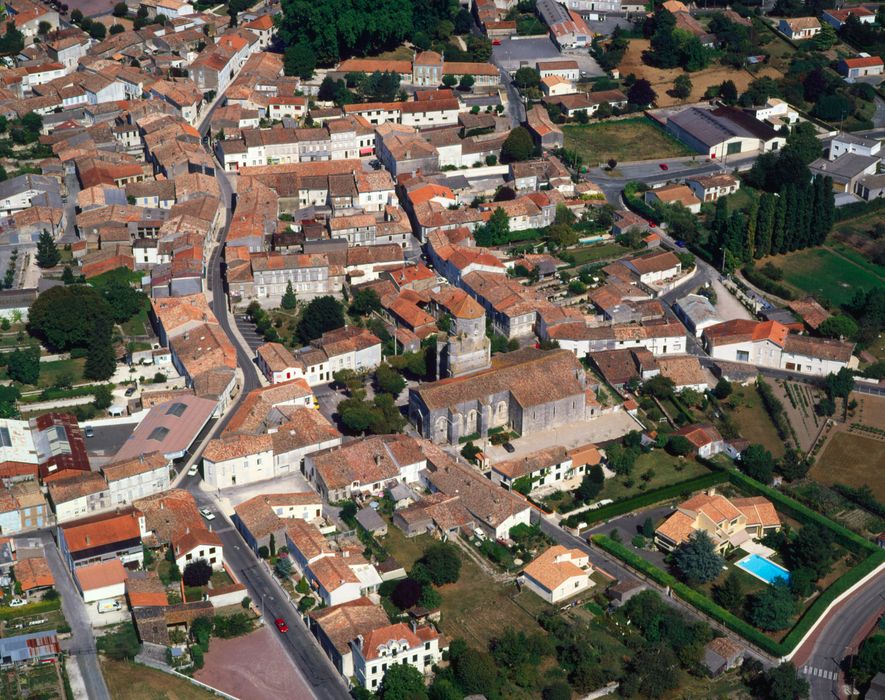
197, 573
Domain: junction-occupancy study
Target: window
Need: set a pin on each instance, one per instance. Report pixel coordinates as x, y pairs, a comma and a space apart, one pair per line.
743, 356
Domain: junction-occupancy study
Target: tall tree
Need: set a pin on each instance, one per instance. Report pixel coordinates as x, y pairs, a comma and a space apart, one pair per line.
773, 608
752, 226
322, 314
47, 251
289, 301
696, 558
100, 359
764, 225
780, 222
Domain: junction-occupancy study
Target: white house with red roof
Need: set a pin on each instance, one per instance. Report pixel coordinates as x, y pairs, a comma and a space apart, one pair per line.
861, 67
376, 651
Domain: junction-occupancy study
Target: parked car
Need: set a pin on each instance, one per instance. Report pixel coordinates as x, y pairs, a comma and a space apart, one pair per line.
17, 603
89, 431
130, 390
281, 625
208, 514
496, 42
509, 447
109, 605
664, 166
193, 471
679, 243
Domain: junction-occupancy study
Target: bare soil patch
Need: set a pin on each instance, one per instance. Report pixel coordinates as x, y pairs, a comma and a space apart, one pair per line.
661, 79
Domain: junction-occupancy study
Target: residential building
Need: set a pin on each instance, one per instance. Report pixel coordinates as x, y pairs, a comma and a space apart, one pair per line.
75, 495
799, 28
709, 188
558, 574
861, 67
545, 468
848, 171
101, 538
705, 439
137, 477
843, 143
399, 643
728, 522
261, 520
770, 344
33, 575
566, 69
655, 267
660, 337
837, 18
200, 543
365, 466
722, 654
335, 627
22, 508
567, 28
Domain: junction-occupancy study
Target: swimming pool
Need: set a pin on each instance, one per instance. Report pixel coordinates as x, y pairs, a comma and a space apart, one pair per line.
763, 568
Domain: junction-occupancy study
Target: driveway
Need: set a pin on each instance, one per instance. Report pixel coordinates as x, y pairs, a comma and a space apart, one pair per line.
630, 525
81, 645
247, 330
108, 439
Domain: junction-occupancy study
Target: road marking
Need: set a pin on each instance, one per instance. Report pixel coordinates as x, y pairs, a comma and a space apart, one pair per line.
819, 673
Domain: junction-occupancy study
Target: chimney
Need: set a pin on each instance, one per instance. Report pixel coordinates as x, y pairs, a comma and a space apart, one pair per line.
87, 539
377, 460
187, 531
162, 505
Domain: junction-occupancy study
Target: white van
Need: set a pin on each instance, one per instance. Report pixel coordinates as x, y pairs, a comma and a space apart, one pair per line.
109, 605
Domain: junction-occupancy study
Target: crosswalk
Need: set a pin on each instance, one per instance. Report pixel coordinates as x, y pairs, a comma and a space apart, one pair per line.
819, 673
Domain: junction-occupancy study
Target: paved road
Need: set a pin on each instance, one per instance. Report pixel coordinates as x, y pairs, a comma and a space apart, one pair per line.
838, 639
321, 678
82, 642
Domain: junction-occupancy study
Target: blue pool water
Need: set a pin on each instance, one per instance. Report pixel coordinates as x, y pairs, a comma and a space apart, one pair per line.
762, 568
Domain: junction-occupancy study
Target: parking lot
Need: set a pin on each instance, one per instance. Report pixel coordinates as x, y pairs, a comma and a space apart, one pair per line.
513, 54
247, 330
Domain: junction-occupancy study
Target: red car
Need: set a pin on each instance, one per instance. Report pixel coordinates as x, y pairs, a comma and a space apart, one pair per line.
281, 625
496, 42
664, 166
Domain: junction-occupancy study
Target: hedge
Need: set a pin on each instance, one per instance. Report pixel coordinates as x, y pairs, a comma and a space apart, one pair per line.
43, 606
698, 600
628, 505
848, 539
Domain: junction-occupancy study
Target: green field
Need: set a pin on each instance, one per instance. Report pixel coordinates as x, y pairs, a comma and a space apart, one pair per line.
825, 273
596, 143
600, 251
666, 470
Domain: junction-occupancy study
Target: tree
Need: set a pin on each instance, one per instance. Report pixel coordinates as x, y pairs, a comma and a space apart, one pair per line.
120, 9
696, 558
496, 231
402, 682
299, 59
841, 384
289, 302
467, 82
679, 446
68, 275
103, 397
793, 465
197, 573
621, 459
47, 251
812, 549
365, 302
389, 380
65, 317
24, 365
101, 361
322, 314
116, 29
527, 77
517, 146
442, 562
591, 484
653, 671
804, 142
641, 93
869, 661
723, 389
659, 386
728, 92
125, 300
557, 691
648, 528
120, 644
757, 463
782, 683
773, 608
475, 673
283, 567
449, 80
97, 31
682, 86
406, 594
730, 594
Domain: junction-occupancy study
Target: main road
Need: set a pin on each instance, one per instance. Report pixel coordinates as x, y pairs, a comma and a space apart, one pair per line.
321, 679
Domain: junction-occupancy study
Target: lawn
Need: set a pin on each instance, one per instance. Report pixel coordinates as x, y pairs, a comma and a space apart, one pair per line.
667, 470
138, 324
592, 253
477, 607
741, 200
823, 272
50, 372
597, 143
136, 682
753, 421
852, 459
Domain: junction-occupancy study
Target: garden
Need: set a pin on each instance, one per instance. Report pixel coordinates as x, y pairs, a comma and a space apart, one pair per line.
823, 558
598, 143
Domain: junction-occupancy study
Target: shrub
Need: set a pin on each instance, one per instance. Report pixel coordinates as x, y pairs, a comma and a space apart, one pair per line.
197, 573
